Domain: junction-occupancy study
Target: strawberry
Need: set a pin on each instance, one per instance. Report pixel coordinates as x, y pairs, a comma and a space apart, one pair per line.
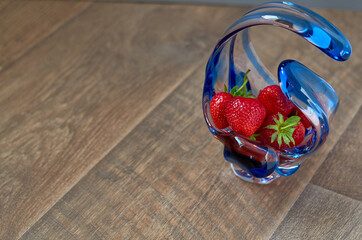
297, 112
281, 132
245, 115
274, 100
218, 102
217, 109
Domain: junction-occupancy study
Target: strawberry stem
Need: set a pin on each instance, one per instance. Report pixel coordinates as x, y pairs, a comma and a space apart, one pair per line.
245, 80
225, 88
242, 90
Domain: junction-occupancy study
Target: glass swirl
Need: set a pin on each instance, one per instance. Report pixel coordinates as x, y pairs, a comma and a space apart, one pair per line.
234, 54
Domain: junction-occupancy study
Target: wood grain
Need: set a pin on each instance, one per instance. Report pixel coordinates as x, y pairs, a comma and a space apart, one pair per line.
168, 179
322, 214
4, 4
352, 4
23, 24
68, 102
341, 172
102, 134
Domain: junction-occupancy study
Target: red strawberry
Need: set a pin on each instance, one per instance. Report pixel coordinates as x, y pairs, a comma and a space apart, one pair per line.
297, 112
245, 115
217, 109
281, 132
275, 101
218, 102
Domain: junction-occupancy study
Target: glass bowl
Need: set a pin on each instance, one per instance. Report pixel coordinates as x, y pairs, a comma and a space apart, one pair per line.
234, 54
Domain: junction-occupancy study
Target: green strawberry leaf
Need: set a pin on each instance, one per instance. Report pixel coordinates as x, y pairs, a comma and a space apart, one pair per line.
274, 127
225, 88
274, 136
291, 139
291, 122
253, 137
233, 90
279, 140
283, 129
281, 118
286, 140
241, 91
290, 131
276, 120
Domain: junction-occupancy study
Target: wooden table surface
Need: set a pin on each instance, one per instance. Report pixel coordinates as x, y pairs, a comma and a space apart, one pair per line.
102, 134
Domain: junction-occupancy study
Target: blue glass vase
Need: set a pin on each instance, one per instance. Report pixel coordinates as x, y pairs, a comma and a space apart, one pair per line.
234, 54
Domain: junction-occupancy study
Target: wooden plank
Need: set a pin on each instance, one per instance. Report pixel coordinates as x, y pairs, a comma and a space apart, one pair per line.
352, 4
4, 4
68, 102
322, 214
168, 179
23, 24
341, 172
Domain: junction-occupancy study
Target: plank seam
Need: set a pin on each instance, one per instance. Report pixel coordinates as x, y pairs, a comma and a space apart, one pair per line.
331, 191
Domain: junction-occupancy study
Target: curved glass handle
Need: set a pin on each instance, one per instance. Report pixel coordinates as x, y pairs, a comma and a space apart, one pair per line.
309, 92
306, 23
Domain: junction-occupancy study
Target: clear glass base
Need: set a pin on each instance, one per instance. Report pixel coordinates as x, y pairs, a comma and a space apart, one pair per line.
249, 178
